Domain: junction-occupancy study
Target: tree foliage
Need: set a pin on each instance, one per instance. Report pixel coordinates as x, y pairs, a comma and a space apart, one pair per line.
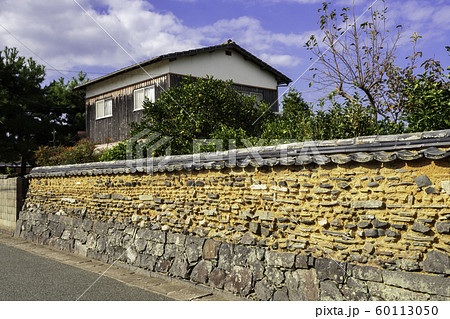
301, 122
67, 108
200, 109
361, 57
24, 118
355, 55
30, 113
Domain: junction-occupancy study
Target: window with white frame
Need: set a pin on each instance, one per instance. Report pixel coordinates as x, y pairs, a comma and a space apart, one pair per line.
103, 108
258, 96
140, 95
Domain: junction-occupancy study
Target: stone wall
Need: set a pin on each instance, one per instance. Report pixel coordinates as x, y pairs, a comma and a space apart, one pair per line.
373, 228
11, 196
243, 269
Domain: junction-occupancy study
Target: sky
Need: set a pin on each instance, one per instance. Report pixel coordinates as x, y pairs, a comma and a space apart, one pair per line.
101, 36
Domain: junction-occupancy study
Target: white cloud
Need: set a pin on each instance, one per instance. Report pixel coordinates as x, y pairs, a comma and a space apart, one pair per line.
281, 59
249, 33
66, 37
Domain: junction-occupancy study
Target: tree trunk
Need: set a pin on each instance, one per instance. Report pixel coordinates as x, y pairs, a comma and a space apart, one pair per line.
23, 166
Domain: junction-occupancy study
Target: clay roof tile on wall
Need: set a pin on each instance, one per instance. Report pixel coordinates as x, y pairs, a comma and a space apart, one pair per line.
408, 147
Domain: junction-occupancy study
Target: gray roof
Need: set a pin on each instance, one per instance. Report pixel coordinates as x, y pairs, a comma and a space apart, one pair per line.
281, 78
409, 147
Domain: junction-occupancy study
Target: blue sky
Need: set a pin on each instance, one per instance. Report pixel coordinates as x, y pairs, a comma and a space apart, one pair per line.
70, 35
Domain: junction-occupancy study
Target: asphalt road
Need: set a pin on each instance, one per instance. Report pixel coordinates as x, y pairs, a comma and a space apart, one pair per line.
25, 276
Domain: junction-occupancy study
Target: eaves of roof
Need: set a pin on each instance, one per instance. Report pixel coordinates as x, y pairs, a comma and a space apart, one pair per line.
280, 77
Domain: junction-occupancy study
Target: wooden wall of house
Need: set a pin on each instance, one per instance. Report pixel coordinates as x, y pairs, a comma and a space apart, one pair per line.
117, 127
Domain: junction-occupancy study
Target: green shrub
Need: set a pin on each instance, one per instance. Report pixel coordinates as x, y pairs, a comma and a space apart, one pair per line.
81, 152
116, 153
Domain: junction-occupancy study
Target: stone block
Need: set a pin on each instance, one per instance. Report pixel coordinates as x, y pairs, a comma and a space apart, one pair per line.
81, 235
226, 253
301, 261
388, 293
202, 232
364, 224
217, 278
409, 265
240, 255
162, 265
156, 249
180, 267
329, 291
146, 197
371, 233
201, 272
379, 224
79, 248
302, 285
91, 241
193, 252
248, 239
100, 228
171, 250
101, 244
258, 187
264, 290
330, 269
437, 262
446, 186
265, 215
177, 239
418, 282
104, 196
239, 281
275, 276
117, 196
148, 262
257, 270
442, 227
422, 181
280, 259
367, 204
131, 255
140, 244
87, 224
354, 294
59, 230
157, 236
343, 185
280, 295
211, 249
255, 228
392, 233
367, 273
420, 228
